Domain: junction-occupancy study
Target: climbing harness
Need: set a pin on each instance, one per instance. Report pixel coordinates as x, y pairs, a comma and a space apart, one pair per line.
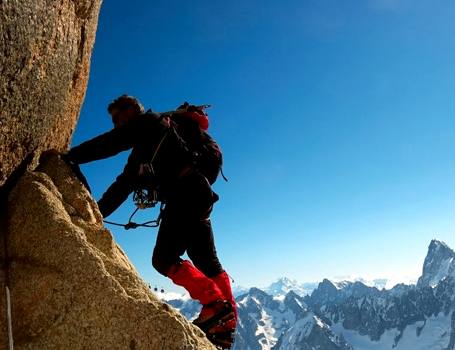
145, 198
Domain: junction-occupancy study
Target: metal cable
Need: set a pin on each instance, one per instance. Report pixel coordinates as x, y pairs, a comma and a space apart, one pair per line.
8, 294
9, 319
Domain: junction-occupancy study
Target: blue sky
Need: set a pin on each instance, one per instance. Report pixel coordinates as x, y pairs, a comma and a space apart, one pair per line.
336, 119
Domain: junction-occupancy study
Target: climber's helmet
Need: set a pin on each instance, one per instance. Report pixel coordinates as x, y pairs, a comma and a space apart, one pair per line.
123, 109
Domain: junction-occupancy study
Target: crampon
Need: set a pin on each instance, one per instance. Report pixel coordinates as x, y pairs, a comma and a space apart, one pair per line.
222, 341
220, 328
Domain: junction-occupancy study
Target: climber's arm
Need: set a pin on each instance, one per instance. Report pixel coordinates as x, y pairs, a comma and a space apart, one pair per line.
120, 189
106, 145
115, 195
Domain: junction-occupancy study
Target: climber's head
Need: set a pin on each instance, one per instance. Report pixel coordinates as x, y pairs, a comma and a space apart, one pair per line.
123, 109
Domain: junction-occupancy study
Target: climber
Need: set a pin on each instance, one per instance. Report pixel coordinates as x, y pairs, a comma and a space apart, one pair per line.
175, 156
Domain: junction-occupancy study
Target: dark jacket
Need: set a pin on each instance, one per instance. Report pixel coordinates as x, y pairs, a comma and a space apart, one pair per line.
143, 135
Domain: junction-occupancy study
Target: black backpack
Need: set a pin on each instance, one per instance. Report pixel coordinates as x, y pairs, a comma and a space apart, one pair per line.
205, 152
208, 158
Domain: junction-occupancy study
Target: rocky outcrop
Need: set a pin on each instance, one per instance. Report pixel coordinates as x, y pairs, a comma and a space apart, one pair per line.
45, 48
72, 287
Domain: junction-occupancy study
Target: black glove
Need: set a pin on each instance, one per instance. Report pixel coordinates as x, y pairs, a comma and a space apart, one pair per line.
76, 170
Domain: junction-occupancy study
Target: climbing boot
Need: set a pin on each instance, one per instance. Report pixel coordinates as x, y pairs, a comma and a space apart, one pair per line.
222, 341
224, 326
214, 314
222, 280
216, 310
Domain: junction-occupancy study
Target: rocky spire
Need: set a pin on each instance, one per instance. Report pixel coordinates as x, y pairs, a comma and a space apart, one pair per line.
439, 263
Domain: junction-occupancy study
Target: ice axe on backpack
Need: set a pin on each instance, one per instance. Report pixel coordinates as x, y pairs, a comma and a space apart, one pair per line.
186, 107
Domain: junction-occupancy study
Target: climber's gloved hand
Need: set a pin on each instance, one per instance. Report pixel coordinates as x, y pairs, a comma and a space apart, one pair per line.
49, 153
67, 159
76, 170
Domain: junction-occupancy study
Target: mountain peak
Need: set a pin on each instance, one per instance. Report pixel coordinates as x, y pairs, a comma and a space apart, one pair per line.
258, 293
285, 281
436, 245
439, 263
327, 282
284, 285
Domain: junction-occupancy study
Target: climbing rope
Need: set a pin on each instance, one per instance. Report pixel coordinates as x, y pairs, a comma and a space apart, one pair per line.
132, 225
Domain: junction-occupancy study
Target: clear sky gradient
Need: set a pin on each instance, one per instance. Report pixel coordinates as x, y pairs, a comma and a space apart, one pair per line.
336, 119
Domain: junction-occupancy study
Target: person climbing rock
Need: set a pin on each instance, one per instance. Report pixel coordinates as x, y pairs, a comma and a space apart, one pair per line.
174, 156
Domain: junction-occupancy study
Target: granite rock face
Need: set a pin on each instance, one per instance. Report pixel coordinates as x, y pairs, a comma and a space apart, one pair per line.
45, 49
72, 286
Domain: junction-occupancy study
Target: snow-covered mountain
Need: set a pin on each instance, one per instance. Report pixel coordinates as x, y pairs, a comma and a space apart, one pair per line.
239, 290
379, 283
351, 315
406, 317
284, 285
188, 307
268, 322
